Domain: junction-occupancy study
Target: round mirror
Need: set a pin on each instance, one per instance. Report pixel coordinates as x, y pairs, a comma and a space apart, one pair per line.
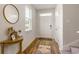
11, 13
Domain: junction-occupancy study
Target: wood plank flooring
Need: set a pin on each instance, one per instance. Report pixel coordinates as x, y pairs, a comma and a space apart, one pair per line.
33, 47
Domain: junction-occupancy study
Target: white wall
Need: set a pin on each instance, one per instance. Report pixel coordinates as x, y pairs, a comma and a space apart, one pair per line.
71, 23
20, 25
39, 25
59, 25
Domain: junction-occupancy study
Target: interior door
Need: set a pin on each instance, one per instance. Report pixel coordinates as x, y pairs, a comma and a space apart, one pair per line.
46, 27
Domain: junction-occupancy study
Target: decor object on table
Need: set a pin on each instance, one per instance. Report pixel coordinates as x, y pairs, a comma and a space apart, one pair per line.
19, 33
12, 34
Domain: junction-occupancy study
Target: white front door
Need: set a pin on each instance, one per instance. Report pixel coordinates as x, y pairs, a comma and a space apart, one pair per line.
46, 24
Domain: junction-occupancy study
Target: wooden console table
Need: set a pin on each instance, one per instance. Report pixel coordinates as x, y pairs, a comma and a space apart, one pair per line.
9, 42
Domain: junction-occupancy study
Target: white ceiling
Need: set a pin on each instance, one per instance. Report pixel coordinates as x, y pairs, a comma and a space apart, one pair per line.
44, 6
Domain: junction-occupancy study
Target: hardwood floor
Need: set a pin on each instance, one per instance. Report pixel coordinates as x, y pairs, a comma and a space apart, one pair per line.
47, 42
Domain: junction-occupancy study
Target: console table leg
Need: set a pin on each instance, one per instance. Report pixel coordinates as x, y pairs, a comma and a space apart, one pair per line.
20, 47
2, 48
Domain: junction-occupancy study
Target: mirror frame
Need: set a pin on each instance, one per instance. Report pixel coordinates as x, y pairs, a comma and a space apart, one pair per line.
5, 15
